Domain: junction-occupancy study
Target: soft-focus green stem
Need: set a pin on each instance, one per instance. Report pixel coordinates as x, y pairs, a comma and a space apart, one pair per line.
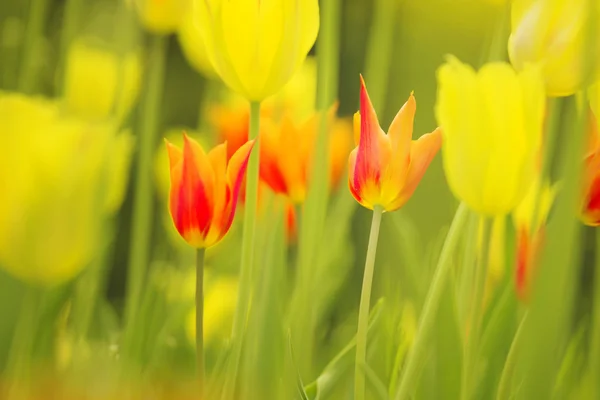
33, 34
379, 51
21, 349
432, 301
248, 242
595, 338
71, 15
472, 340
315, 206
144, 195
509, 365
200, 317
363, 311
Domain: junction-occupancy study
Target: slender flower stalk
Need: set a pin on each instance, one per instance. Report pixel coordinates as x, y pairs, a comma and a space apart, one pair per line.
143, 195
471, 349
36, 19
200, 317
511, 360
248, 243
363, 311
417, 353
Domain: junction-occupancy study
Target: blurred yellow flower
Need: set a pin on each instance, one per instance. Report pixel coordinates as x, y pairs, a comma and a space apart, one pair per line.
492, 123
161, 16
219, 305
554, 33
99, 83
53, 184
256, 47
192, 42
118, 170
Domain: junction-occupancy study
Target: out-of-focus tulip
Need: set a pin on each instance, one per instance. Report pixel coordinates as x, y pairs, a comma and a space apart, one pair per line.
54, 183
385, 170
219, 305
492, 123
287, 149
590, 207
530, 233
256, 47
118, 170
204, 190
161, 16
192, 42
555, 35
99, 83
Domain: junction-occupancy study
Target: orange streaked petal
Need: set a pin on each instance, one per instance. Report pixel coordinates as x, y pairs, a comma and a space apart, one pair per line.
190, 199
218, 161
371, 152
401, 130
422, 152
270, 153
521, 263
235, 176
295, 144
175, 154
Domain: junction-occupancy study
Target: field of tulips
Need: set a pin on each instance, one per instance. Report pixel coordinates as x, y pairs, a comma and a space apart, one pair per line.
299, 199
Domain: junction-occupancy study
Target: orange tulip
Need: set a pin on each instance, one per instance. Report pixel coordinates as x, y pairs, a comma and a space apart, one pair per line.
590, 208
385, 169
204, 190
287, 150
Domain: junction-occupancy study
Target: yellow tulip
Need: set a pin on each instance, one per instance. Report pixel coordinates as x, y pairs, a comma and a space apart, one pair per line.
53, 183
554, 33
118, 170
491, 123
99, 83
161, 16
192, 43
256, 47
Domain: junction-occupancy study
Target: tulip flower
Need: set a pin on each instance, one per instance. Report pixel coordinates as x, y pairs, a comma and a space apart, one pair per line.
256, 47
555, 35
287, 149
492, 123
204, 190
99, 83
590, 207
54, 183
530, 233
161, 16
385, 169
192, 42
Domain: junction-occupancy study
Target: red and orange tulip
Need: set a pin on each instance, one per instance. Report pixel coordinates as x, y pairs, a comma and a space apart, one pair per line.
590, 208
384, 170
204, 190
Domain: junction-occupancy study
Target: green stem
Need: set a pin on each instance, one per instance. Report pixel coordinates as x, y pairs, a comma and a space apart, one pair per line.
417, 353
379, 51
248, 241
315, 206
21, 349
511, 361
363, 310
33, 32
143, 195
472, 341
72, 12
595, 338
200, 317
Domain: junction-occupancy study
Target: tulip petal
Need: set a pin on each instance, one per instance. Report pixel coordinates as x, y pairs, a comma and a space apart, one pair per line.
190, 198
422, 152
401, 130
218, 160
235, 177
270, 154
372, 152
